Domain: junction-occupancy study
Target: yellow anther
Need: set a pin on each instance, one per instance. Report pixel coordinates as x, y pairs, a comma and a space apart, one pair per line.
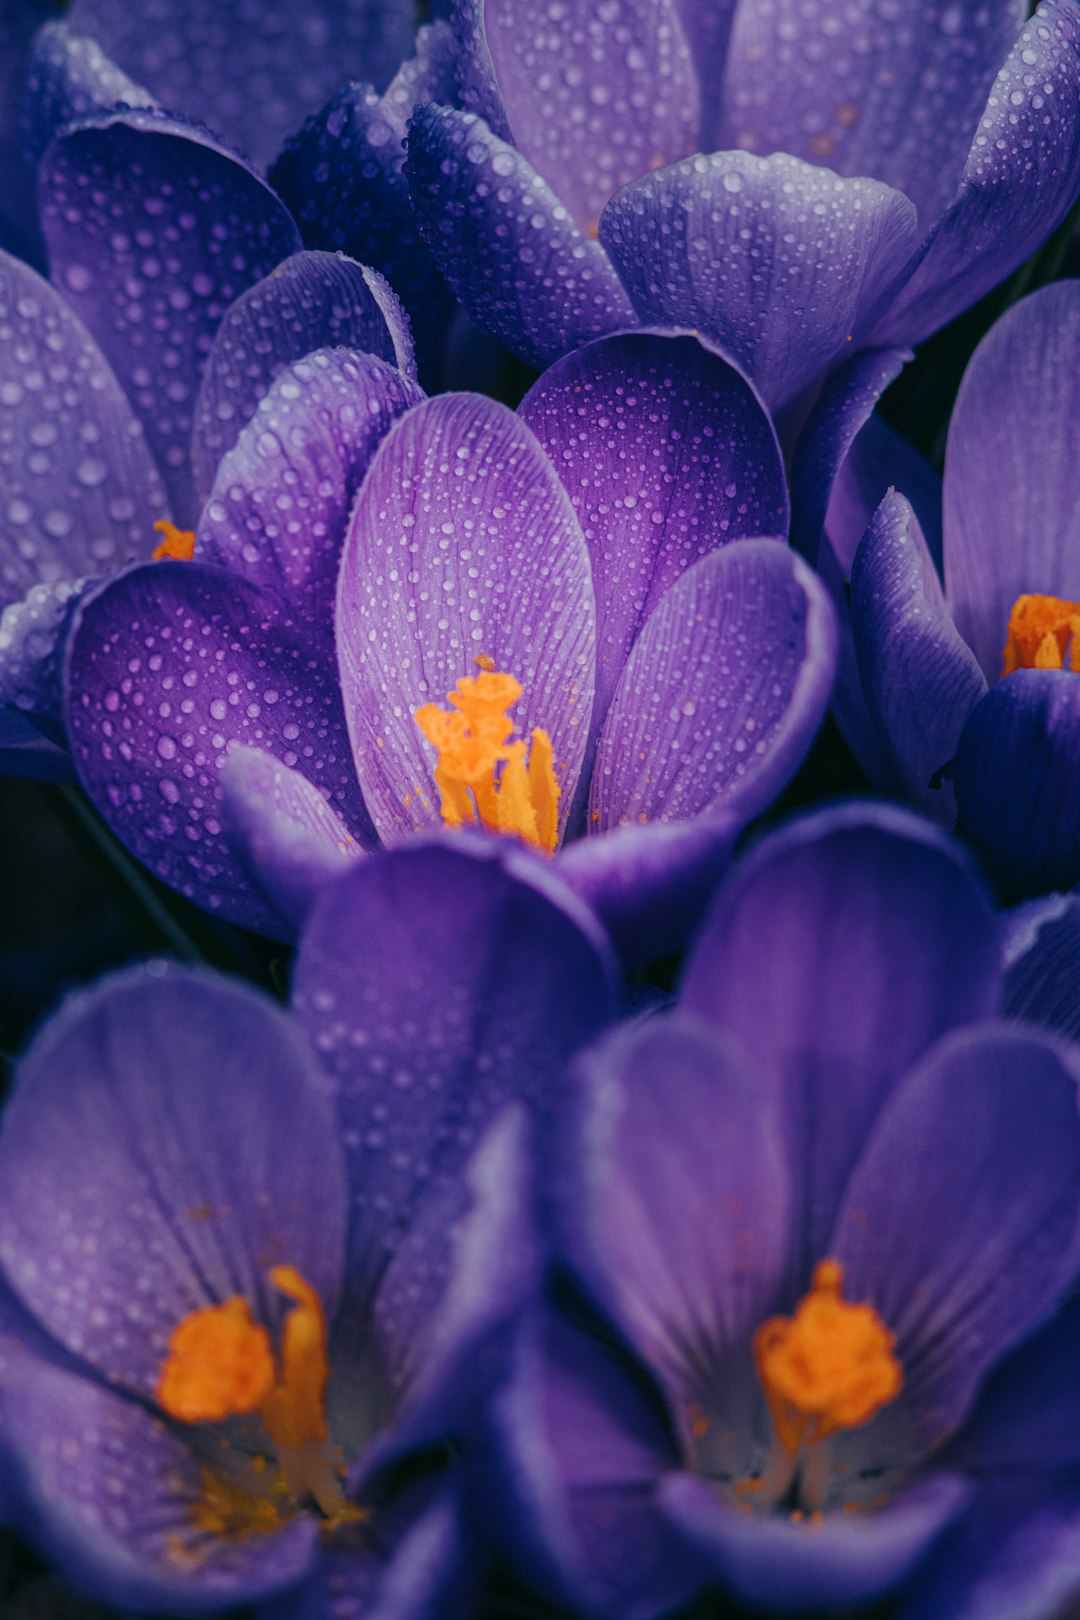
1042, 629
484, 779
219, 1364
828, 1367
178, 545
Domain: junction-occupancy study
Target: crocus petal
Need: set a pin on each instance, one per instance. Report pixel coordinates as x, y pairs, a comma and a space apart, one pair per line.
666, 453
960, 1220
506, 244
835, 954
866, 91
462, 544
843, 1560
281, 499
24, 752
778, 261
31, 648
81, 493
586, 145
68, 78
312, 301
1012, 485
109, 1493
1020, 179
919, 677
1042, 963
283, 832
215, 1154
723, 693
1014, 776
459, 975
1026, 1419
153, 230
19, 23
252, 75
168, 667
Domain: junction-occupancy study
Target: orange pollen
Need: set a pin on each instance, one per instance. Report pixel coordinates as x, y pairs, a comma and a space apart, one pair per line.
1042, 629
828, 1367
219, 1364
484, 779
178, 545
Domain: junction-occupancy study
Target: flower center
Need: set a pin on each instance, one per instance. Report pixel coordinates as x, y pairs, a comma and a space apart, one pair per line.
1042, 629
220, 1364
484, 779
178, 545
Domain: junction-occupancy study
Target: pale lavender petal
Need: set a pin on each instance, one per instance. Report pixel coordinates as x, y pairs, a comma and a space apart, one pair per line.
31, 648
723, 693
280, 503
311, 301
1012, 480
153, 230
69, 77
80, 490
462, 544
1020, 179
865, 89
778, 261
506, 244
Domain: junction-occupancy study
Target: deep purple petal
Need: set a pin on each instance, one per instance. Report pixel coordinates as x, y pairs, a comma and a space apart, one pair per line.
1014, 777
1012, 482
19, 234
153, 230
707, 25
835, 953
919, 677
462, 544
548, 67
31, 649
846, 1559
723, 693
281, 499
69, 77
878, 459
311, 301
1042, 964
436, 983
778, 261
1027, 1419
25, 752
80, 491
108, 1493
168, 667
960, 1220
666, 453
506, 243
866, 90
251, 73
1020, 179
167, 1141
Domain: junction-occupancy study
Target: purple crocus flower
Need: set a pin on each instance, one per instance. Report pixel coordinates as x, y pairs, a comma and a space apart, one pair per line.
821, 1202
567, 198
677, 679
1007, 608
242, 1283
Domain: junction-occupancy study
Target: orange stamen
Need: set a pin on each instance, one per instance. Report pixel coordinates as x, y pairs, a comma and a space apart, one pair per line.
219, 1364
1042, 629
177, 546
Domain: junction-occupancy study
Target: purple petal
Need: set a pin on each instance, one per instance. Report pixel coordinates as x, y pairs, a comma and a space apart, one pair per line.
1042, 961
1012, 483
1020, 179
844, 1560
280, 503
548, 65
867, 91
778, 261
877, 460
723, 693
486, 977
960, 1221
252, 74
707, 25
24, 752
19, 23
170, 666
109, 1494
80, 490
835, 953
214, 1155
919, 677
282, 831
506, 244
68, 78
1014, 774
311, 301
430, 75
1027, 1419
462, 544
153, 230
31, 647
666, 453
